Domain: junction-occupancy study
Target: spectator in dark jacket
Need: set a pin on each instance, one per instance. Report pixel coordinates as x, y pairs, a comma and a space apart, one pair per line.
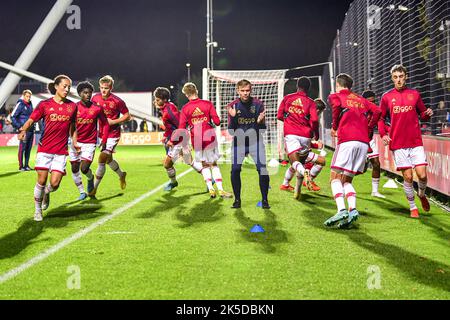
19, 116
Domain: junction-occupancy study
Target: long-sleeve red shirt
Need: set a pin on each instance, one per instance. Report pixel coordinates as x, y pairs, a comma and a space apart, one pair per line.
196, 116
299, 114
349, 113
403, 106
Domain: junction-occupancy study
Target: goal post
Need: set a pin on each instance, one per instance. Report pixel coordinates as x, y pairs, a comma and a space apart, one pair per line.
219, 87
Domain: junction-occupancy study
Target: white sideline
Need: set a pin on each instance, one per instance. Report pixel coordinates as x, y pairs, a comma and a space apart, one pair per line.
14, 272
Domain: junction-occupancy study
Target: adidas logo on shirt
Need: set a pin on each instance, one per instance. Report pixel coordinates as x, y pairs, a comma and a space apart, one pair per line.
197, 112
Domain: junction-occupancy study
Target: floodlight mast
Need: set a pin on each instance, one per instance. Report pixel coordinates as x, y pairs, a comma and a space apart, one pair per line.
34, 46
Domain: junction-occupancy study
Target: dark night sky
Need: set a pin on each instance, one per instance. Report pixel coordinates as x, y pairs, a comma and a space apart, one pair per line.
145, 42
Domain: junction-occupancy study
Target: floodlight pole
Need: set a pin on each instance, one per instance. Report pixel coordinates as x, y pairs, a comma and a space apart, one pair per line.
34, 46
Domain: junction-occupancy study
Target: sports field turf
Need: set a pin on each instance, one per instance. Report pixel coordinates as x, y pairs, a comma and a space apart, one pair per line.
184, 245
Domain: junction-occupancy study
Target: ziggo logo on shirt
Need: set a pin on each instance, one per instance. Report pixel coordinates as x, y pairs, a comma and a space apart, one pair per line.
85, 121
402, 109
59, 117
199, 120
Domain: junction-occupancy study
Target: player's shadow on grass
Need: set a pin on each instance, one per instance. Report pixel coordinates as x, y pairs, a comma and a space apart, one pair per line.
167, 202
426, 271
8, 174
204, 212
271, 235
59, 217
439, 228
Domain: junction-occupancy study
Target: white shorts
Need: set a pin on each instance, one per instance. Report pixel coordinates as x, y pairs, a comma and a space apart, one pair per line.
87, 152
349, 158
111, 144
210, 155
410, 158
51, 162
178, 151
374, 147
298, 144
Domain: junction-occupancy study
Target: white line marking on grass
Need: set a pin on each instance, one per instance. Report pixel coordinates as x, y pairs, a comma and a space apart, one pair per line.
14, 272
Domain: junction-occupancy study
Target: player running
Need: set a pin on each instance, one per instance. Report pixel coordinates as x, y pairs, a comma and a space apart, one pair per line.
113, 107
197, 116
314, 168
350, 125
246, 122
59, 114
299, 114
405, 139
88, 115
175, 150
373, 156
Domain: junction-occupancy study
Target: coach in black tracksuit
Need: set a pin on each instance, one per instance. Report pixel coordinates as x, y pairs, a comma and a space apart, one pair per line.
246, 123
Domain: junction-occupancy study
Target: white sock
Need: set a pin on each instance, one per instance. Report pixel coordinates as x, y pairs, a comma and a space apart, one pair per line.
375, 183
315, 170
38, 195
49, 188
206, 173
217, 177
350, 194
338, 193
409, 192
288, 176
298, 183
78, 181
299, 168
197, 166
89, 175
422, 188
115, 167
172, 174
99, 174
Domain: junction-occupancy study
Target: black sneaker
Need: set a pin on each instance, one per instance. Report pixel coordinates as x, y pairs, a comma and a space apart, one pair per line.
236, 204
265, 204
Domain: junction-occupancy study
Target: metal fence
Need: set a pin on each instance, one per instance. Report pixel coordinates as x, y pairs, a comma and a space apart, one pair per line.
377, 34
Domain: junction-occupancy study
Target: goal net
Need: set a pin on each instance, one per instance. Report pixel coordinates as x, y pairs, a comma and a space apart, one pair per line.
219, 87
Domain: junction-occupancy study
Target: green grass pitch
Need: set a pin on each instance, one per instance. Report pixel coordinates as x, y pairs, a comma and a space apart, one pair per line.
184, 245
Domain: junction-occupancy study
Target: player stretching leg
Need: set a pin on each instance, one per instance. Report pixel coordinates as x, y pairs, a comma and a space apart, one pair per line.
196, 116
113, 107
171, 120
59, 114
88, 115
299, 114
352, 129
405, 139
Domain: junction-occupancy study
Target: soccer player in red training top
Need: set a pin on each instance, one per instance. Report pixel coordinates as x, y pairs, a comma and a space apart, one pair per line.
171, 120
197, 116
299, 114
374, 155
405, 139
113, 107
59, 115
314, 168
88, 115
350, 125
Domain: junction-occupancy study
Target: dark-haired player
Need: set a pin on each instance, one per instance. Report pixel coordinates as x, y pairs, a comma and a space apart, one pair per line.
88, 115
350, 125
59, 114
299, 114
175, 150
